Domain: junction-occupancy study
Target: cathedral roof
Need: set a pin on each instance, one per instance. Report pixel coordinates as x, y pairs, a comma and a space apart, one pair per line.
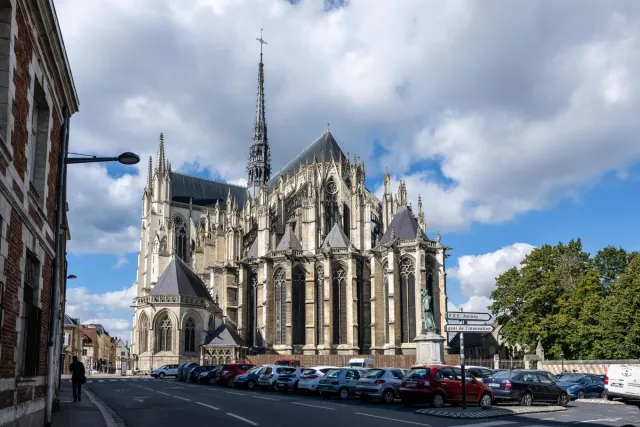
179, 279
205, 192
225, 336
289, 241
325, 146
404, 226
336, 238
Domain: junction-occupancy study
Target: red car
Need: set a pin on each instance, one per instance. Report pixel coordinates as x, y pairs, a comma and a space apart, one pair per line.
228, 372
440, 384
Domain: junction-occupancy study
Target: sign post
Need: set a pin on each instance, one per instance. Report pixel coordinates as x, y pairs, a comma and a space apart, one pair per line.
462, 328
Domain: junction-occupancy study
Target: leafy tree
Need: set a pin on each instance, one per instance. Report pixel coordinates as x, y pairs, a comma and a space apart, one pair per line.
610, 263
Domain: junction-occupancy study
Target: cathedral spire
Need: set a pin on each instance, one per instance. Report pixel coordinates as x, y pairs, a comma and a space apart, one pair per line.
161, 163
150, 174
259, 166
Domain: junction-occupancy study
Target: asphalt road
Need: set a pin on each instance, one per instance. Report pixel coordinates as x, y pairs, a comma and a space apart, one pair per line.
153, 402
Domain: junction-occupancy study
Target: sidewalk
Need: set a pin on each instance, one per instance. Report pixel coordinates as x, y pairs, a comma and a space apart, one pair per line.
76, 414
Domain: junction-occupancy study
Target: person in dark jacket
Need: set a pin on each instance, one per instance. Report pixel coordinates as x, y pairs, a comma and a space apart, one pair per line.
77, 378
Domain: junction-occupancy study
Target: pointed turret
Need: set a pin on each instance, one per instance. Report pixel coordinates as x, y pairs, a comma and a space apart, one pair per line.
421, 221
161, 161
259, 166
150, 174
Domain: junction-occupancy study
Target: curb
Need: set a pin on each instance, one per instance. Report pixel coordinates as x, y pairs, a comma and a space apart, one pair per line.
600, 401
490, 413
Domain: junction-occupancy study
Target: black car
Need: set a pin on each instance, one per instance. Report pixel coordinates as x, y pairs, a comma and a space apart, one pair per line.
208, 377
527, 387
195, 372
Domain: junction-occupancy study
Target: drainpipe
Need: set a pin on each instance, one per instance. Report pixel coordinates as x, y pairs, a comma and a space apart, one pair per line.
54, 313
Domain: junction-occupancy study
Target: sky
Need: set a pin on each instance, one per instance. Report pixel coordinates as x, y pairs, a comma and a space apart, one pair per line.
516, 122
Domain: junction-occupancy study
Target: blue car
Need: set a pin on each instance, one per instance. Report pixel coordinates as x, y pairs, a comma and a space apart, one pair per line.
580, 386
249, 379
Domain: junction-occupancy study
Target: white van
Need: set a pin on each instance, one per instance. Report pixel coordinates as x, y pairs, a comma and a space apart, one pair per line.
623, 381
360, 363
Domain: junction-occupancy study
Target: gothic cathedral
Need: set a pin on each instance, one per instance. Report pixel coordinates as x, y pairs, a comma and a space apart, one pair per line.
306, 262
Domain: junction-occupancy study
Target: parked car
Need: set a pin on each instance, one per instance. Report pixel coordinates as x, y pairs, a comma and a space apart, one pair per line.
180, 366
623, 381
210, 376
479, 372
227, 372
441, 384
165, 371
287, 362
250, 378
360, 363
288, 379
580, 386
195, 372
269, 377
341, 381
183, 372
381, 383
527, 387
310, 378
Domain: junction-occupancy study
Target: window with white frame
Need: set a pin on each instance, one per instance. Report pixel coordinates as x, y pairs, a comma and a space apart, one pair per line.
31, 316
38, 138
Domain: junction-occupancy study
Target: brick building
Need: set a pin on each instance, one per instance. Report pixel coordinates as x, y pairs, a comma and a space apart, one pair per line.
72, 344
37, 95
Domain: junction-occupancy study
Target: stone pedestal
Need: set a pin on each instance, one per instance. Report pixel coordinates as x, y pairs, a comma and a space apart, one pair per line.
429, 348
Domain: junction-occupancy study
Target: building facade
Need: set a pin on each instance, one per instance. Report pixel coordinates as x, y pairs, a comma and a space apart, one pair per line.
308, 261
72, 342
37, 96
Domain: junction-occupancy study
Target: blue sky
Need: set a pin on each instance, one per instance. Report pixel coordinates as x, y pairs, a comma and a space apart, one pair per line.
517, 124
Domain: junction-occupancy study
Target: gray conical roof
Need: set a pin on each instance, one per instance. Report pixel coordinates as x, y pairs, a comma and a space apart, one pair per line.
179, 279
404, 225
289, 241
336, 238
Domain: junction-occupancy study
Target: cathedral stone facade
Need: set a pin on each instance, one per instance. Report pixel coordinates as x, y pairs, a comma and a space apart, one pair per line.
306, 262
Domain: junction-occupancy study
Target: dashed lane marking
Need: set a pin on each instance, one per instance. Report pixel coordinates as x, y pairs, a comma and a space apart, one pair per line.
266, 398
242, 419
233, 392
100, 381
182, 398
601, 419
490, 424
162, 392
397, 420
313, 406
208, 406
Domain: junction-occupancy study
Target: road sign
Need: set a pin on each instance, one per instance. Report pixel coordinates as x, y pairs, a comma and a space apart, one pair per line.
462, 315
468, 328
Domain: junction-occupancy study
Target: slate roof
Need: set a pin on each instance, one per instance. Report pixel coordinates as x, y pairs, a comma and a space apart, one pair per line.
404, 225
68, 321
205, 192
224, 336
326, 145
336, 238
179, 279
289, 241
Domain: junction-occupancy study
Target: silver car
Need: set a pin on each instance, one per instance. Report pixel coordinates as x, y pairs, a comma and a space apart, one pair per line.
382, 383
341, 381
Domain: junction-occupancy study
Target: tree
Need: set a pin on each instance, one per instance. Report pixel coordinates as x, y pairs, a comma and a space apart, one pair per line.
610, 262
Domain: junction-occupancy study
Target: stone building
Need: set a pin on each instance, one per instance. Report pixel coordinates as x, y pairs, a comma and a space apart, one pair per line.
72, 344
37, 95
307, 261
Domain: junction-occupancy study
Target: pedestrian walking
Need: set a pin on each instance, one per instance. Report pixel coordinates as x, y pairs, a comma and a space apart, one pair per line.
77, 378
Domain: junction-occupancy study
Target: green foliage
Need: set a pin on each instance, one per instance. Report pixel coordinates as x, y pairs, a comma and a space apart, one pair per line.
586, 308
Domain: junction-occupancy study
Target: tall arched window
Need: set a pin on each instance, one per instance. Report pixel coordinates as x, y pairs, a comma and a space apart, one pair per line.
407, 300
319, 305
339, 290
331, 214
143, 333
281, 307
365, 306
164, 334
190, 336
181, 243
252, 309
298, 321
386, 302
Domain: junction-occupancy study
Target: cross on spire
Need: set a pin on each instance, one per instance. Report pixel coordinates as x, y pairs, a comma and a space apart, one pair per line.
261, 40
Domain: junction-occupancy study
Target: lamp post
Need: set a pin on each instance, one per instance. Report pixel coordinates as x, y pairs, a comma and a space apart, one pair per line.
126, 158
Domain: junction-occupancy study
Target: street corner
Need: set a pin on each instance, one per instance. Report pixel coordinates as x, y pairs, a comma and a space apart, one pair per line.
493, 412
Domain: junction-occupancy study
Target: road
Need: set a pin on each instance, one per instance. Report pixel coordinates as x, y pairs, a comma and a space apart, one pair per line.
137, 402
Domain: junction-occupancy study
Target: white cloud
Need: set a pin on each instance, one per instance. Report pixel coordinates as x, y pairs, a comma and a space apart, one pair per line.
516, 107
120, 262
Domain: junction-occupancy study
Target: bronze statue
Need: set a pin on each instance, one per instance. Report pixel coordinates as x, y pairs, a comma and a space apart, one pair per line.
428, 324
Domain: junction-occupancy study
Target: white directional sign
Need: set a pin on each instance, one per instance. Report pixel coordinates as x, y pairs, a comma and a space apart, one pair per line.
468, 328
461, 315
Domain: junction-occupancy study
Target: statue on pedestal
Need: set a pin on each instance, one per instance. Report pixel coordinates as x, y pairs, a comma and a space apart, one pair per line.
428, 324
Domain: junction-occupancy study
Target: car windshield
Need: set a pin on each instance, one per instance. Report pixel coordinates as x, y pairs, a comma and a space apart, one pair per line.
374, 373
309, 372
571, 378
419, 373
286, 370
333, 374
254, 370
504, 374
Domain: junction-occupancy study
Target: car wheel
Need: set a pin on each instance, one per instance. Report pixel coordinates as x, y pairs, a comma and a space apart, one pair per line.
161, 375
581, 394
606, 396
230, 382
437, 401
295, 387
485, 401
563, 400
527, 399
388, 396
251, 384
344, 394
275, 387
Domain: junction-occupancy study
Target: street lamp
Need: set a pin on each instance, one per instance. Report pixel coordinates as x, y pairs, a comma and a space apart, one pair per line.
126, 158
72, 276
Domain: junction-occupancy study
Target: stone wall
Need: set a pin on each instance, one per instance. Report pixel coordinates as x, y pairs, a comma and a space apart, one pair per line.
381, 361
598, 367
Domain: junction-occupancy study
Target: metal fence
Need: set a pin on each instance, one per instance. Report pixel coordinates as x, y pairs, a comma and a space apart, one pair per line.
486, 363
512, 364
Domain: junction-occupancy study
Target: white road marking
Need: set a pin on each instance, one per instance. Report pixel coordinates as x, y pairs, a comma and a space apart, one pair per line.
242, 418
162, 392
182, 398
233, 392
89, 382
208, 406
600, 419
100, 381
313, 406
395, 419
492, 423
113, 381
265, 398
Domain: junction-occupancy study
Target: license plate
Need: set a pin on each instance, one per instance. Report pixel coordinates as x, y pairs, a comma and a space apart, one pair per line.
410, 384
616, 385
494, 385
